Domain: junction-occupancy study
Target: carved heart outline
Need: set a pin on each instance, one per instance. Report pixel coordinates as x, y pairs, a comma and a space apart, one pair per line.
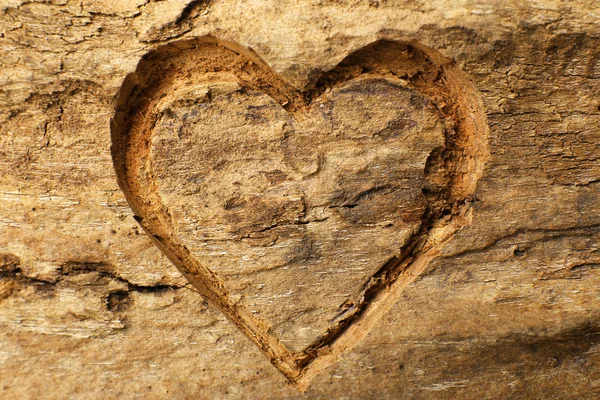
456, 170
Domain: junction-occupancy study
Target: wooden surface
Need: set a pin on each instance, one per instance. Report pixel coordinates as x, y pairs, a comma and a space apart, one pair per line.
294, 157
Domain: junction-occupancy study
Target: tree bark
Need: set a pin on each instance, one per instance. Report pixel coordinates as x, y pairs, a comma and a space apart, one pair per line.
219, 199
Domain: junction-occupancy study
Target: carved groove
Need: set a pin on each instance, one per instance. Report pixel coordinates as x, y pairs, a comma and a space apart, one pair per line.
451, 172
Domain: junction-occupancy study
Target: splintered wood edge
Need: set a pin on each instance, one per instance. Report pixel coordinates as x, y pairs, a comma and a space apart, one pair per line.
457, 168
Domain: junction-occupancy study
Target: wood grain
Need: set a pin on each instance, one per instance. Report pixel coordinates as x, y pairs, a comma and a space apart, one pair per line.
507, 308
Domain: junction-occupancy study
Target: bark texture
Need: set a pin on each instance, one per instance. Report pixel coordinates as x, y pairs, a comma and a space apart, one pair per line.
374, 199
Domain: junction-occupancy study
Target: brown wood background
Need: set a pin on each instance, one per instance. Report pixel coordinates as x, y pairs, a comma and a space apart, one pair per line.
90, 308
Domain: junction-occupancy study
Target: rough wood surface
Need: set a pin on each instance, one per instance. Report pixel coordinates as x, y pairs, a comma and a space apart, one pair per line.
261, 199
348, 136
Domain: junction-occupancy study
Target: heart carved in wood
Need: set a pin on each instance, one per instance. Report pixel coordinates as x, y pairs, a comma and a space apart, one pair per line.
301, 215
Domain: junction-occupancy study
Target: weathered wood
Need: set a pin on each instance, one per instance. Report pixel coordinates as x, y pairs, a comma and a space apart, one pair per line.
266, 162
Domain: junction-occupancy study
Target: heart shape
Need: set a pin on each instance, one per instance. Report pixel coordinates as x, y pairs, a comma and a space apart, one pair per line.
301, 207
347, 190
